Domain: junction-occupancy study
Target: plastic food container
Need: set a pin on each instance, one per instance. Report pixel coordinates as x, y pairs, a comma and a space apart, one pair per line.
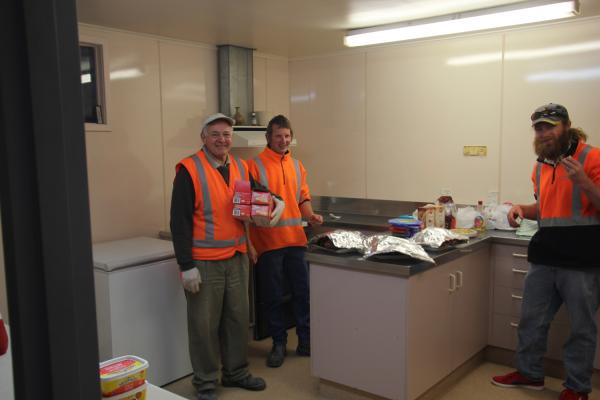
121, 375
139, 393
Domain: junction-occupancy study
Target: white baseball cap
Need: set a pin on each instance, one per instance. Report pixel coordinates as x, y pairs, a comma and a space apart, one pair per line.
215, 117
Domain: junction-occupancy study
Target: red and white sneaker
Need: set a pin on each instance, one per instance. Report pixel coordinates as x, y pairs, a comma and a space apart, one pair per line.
515, 379
569, 394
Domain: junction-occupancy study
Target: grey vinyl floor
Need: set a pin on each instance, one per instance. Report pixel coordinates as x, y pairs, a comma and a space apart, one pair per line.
293, 381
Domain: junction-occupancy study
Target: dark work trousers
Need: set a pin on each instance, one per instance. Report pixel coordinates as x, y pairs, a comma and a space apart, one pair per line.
218, 320
272, 269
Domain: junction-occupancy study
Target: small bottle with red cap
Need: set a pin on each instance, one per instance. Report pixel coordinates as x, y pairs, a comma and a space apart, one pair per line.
3, 337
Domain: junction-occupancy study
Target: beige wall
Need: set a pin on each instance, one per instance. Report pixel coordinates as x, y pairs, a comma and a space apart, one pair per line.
386, 122
541, 66
391, 122
125, 166
155, 119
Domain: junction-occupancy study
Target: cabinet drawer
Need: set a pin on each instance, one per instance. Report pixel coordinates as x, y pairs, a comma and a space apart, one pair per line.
507, 301
505, 250
504, 335
510, 275
504, 331
510, 265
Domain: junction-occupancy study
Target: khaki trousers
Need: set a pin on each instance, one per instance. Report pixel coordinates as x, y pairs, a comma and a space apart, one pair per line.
218, 321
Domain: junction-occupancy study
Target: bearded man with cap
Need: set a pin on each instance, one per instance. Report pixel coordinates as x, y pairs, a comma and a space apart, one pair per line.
211, 246
563, 255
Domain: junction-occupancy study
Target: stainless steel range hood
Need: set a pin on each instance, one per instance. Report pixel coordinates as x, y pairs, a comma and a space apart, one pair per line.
236, 90
236, 86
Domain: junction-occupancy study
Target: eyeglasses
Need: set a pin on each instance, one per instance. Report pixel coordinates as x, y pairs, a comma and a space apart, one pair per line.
214, 135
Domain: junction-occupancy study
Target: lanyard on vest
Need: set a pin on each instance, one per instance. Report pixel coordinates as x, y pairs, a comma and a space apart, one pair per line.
576, 205
265, 182
209, 221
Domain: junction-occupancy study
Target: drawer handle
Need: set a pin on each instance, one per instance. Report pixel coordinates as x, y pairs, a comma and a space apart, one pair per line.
514, 296
514, 324
459, 279
519, 271
452, 287
519, 255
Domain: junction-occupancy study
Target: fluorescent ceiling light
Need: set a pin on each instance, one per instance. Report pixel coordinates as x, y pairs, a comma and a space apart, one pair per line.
490, 18
566, 75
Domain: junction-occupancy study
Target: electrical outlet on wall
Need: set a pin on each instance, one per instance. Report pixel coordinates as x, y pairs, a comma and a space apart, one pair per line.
475, 151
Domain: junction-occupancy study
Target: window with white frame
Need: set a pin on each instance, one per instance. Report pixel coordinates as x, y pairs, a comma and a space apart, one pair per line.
94, 88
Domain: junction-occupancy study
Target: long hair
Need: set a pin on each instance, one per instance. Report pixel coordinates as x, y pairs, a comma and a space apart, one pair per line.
577, 133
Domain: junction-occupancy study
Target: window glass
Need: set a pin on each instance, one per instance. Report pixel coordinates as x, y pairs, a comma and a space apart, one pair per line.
92, 84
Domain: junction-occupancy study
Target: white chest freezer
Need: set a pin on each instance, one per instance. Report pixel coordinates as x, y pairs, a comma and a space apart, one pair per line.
141, 307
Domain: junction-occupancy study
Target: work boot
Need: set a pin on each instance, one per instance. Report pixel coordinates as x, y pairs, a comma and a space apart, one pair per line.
208, 394
303, 349
276, 355
249, 383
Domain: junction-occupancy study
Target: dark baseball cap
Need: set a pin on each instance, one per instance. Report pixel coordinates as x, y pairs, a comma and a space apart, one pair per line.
551, 113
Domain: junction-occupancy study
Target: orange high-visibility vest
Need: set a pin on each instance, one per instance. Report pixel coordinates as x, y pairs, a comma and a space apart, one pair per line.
217, 235
285, 176
559, 202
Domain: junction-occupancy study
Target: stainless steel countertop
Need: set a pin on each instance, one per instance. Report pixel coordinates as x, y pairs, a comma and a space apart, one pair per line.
370, 216
407, 268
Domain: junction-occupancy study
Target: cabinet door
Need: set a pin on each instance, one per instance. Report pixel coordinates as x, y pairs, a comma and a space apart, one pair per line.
470, 313
429, 325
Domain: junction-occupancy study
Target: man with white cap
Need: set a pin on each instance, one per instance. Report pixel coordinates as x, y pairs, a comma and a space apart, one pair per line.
563, 255
211, 249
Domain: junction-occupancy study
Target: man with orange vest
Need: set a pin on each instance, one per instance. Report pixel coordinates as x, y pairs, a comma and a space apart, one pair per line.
281, 248
563, 255
211, 246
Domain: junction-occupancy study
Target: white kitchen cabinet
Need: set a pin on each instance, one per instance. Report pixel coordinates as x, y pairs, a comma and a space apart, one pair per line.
396, 336
447, 319
509, 266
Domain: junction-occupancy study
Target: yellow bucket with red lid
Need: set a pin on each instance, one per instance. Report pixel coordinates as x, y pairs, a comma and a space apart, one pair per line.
122, 374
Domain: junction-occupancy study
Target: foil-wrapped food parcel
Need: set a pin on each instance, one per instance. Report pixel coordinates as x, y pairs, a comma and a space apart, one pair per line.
438, 238
387, 244
342, 241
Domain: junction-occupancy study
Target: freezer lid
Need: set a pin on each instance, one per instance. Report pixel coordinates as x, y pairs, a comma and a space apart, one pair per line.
118, 254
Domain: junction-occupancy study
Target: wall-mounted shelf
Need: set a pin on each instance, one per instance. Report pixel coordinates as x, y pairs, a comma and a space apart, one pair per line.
251, 136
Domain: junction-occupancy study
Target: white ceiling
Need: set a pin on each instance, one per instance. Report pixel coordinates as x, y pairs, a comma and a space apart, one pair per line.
291, 28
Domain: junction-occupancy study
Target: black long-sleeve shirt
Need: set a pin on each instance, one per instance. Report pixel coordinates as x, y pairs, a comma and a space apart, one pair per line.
182, 218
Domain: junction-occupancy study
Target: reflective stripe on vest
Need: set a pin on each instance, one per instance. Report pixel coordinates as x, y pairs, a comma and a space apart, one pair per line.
289, 222
262, 172
576, 206
240, 166
209, 223
298, 180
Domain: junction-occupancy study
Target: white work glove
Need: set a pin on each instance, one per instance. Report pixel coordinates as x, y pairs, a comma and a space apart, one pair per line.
191, 280
277, 211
